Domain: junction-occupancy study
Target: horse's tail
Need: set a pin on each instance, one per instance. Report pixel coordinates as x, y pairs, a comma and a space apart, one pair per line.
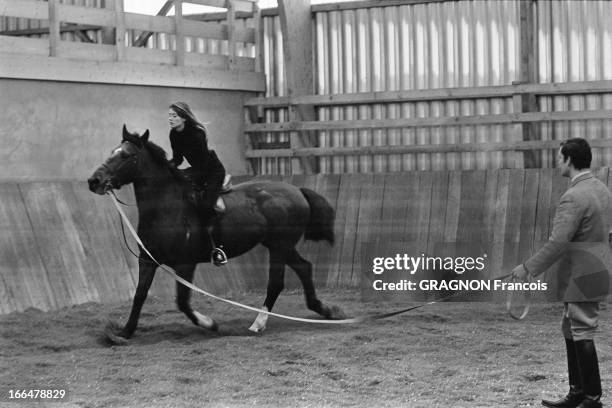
321, 223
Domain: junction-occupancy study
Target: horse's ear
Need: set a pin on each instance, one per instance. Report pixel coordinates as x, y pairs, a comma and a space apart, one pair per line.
145, 135
125, 132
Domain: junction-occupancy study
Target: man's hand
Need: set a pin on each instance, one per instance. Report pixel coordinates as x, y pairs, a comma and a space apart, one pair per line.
519, 273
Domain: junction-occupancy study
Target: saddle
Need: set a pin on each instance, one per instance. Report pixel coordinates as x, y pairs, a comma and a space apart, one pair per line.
194, 197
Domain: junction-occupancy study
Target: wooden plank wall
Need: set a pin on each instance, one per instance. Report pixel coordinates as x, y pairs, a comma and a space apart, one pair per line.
62, 245
114, 61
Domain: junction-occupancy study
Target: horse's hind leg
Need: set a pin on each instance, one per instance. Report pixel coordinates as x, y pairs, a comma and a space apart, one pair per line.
276, 283
183, 294
303, 269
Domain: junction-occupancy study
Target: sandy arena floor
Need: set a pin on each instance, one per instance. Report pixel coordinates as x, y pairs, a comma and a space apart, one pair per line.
443, 355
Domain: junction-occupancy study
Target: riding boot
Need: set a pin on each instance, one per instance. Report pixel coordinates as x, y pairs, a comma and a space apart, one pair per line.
589, 372
575, 395
217, 255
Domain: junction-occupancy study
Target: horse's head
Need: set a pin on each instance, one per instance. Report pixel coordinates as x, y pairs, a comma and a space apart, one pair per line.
121, 167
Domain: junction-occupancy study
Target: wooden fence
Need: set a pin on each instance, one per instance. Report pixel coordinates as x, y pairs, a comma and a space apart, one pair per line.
306, 144
62, 245
122, 62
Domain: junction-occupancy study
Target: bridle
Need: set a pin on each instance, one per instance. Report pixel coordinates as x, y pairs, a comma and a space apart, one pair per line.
133, 160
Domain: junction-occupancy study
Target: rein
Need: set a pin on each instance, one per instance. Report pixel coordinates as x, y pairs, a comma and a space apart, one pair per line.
120, 201
112, 193
358, 319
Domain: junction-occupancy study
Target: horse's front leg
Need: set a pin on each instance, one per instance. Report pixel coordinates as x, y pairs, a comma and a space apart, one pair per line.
276, 283
146, 272
183, 294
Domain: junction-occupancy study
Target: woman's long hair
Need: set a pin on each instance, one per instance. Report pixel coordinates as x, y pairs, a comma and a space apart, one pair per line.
184, 111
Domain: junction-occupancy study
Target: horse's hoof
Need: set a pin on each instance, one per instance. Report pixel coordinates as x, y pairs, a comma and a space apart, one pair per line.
259, 325
214, 327
114, 336
336, 313
206, 322
255, 328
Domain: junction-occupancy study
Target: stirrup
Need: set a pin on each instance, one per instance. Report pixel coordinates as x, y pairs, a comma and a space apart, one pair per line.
219, 258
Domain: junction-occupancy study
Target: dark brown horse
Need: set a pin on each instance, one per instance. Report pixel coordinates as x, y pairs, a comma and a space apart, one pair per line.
276, 215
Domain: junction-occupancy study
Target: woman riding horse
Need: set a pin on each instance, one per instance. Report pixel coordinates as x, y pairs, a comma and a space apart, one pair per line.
188, 140
274, 214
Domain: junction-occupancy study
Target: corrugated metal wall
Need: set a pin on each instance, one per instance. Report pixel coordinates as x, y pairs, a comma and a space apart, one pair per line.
423, 46
449, 44
575, 44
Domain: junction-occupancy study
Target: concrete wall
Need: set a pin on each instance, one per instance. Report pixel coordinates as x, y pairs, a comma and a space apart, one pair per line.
63, 130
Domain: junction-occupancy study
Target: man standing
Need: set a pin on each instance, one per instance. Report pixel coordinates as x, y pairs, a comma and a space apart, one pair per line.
579, 240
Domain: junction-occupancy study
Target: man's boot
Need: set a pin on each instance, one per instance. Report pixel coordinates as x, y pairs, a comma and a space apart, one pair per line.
575, 395
589, 372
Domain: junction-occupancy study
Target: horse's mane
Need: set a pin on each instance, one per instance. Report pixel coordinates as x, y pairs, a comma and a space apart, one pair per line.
158, 155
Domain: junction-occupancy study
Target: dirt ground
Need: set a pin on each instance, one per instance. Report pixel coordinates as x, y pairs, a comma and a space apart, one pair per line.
443, 355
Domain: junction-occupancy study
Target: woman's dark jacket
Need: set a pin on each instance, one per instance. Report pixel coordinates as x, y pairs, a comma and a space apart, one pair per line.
191, 144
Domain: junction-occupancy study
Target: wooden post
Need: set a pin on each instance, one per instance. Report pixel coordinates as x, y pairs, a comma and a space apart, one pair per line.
258, 115
255, 114
54, 27
296, 26
259, 38
119, 31
231, 40
180, 37
527, 75
250, 117
108, 33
